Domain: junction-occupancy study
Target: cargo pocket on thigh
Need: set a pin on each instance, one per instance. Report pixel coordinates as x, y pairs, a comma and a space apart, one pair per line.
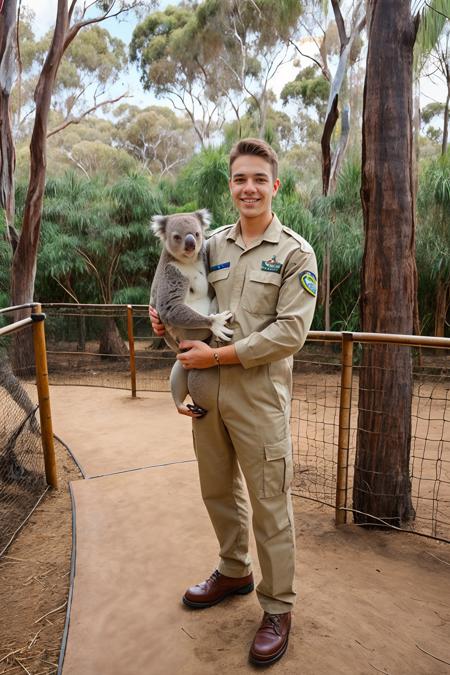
277, 472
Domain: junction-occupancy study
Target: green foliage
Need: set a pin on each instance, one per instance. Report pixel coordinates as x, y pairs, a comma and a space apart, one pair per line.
431, 110
5, 264
205, 179
96, 238
310, 88
433, 16
433, 236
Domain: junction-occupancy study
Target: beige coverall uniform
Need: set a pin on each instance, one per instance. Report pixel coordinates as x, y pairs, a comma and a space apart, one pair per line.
270, 287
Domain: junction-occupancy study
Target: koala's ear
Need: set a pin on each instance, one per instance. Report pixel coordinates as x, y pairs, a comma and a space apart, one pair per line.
158, 226
204, 217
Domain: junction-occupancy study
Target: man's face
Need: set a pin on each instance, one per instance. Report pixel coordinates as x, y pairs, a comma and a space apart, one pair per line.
252, 186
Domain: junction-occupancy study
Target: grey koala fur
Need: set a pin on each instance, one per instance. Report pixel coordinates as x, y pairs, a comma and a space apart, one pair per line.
180, 294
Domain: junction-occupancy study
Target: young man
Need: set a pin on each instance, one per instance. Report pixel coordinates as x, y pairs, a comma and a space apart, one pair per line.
267, 276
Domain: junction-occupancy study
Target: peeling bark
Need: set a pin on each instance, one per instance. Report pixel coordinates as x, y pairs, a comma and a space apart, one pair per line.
7, 76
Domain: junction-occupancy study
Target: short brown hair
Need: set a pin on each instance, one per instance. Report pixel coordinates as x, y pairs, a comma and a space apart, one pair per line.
258, 147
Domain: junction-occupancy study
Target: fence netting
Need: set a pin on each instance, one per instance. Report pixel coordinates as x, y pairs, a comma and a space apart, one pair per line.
376, 426
89, 346
22, 472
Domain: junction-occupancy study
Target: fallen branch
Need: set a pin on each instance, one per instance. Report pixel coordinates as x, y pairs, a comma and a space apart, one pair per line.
377, 669
432, 655
188, 634
51, 612
10, 654
22, 666
440, 559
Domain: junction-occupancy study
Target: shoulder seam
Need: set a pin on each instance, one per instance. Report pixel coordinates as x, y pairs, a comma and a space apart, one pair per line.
305, 246
210, 233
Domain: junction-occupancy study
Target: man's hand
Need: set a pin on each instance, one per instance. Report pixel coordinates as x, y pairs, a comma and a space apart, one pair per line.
157, 326
199, 355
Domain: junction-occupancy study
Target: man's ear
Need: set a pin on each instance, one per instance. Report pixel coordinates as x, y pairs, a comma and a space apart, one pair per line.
204, 217
158, 226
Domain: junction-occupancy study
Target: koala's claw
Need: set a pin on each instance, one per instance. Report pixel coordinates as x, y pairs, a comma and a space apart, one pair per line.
218, 327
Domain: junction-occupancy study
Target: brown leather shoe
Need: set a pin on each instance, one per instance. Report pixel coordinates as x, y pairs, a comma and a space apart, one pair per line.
215, 589
271, 639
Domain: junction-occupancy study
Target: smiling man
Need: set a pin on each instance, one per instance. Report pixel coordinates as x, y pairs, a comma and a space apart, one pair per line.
266, 274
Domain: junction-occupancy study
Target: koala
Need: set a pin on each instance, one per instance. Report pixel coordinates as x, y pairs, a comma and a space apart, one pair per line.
181, 297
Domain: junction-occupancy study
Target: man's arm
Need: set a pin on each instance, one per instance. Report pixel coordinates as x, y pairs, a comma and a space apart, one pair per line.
201, 355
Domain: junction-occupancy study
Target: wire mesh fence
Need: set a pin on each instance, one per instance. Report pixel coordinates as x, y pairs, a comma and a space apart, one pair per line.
417, 476
89, 346
422, 484
22, 471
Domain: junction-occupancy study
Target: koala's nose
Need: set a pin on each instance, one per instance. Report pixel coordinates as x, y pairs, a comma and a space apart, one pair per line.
189, 242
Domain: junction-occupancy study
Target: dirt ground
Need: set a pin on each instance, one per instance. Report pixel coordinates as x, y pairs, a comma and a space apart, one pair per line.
34, 581
369, 601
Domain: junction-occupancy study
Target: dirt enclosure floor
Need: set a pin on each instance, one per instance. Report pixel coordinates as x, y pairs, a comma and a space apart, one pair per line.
368, 601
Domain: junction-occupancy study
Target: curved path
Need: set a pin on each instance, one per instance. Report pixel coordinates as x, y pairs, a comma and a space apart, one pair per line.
366, 600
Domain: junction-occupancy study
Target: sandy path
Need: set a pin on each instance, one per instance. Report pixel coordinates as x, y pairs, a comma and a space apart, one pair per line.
367, 600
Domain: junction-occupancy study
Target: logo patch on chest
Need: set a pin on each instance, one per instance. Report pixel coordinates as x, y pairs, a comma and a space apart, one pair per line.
308, 280
271, 265
221, 266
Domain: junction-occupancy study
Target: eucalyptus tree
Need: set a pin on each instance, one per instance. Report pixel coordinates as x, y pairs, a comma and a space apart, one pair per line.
382, 485
156, 137
214, 54
71, 18
173, 64
317, 82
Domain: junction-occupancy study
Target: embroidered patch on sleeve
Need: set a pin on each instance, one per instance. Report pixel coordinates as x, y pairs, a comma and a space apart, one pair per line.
221, 266
271, 265
309, 282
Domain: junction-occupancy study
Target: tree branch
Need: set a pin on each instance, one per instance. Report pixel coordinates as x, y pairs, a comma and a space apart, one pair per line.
325, 72
71, 9
340, 23
77, 120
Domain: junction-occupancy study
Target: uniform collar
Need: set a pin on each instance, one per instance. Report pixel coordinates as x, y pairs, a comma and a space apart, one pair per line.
271, 234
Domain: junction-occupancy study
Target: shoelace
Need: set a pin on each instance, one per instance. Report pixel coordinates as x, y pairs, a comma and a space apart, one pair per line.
214, 576
274, 620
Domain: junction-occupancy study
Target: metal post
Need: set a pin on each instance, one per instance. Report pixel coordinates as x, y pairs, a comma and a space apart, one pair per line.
344, 427
45, 414
131, 349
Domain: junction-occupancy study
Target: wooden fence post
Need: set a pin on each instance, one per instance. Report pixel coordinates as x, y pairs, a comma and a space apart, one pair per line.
131, 349
45, 414
345, 407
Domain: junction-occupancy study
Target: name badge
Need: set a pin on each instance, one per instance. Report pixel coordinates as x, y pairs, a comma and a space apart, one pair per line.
221, 266
271, 265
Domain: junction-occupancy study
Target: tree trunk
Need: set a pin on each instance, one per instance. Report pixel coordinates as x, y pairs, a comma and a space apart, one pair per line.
382, 485
25, 256
111, 342
7, 74
81, 346
442, 303
445, 130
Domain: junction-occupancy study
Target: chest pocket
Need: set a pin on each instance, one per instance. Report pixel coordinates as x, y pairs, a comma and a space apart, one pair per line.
261, 290
219, 281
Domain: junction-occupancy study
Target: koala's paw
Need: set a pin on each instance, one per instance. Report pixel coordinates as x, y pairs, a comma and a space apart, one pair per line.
218, 327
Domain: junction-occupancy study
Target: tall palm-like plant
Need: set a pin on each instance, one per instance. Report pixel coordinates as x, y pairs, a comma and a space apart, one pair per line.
96, 240
433, 243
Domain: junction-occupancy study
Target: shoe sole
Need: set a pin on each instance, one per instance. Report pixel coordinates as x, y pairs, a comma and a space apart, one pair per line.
267, 662
203, 605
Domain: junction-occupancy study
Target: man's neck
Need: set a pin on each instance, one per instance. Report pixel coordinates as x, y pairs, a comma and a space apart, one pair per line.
254, 228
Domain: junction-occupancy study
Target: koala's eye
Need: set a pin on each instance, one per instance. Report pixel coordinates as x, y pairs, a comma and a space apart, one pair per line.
197, 234
177, 237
